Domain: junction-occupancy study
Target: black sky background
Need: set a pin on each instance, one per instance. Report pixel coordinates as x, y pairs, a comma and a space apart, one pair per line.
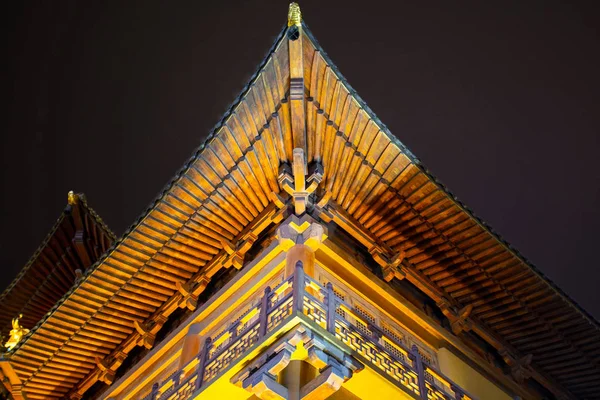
500, 100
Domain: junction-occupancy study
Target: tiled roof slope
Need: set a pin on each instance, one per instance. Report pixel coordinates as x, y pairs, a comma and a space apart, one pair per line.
379, 183
78, 238
218, 192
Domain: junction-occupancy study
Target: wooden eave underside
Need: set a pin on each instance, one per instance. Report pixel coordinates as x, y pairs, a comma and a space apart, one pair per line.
374, 181
225, 187
50, 272
382, 188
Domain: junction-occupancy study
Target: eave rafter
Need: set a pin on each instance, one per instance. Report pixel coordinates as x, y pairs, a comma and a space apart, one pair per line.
185, 297
379, 184
75, 241
458, 314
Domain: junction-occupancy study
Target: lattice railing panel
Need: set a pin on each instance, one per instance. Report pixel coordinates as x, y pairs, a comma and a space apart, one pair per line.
378, 344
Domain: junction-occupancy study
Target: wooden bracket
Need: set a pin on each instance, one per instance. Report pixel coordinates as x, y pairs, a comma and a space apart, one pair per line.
301, 230
391, 266
201, 283
459, 319
187, 297
237, 252
520, 368
105, 373
294, 180
321, 208
146, 336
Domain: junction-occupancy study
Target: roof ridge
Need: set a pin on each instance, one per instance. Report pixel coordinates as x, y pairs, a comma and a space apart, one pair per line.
34, 256
96, 216
50, 234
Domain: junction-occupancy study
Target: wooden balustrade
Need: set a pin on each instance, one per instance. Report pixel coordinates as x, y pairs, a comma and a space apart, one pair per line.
302, 295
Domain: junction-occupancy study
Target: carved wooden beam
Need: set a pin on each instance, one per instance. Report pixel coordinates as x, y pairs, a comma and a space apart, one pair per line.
79, 239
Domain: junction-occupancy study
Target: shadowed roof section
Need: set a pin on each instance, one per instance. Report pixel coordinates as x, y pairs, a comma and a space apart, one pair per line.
374, 184
450, 254
76, 241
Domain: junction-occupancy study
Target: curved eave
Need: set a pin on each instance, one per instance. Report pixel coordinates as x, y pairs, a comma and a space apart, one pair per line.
49, 273
223, 188
384, 187
373, 178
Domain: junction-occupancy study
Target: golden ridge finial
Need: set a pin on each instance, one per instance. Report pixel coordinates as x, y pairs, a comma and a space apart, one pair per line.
294, 15
72, 198
16, 334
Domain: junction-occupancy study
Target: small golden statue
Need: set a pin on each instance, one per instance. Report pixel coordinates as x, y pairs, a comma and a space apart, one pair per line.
16, 334
72, 198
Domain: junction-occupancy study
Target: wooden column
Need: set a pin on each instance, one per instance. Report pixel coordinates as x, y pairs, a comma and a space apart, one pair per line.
300, 253
192, 344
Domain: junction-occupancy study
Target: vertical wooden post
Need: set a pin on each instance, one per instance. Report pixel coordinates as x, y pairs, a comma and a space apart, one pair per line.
154, 392
298, 296
202, 362
330, 309
233, 331
177, 378
420, 372
458, 394
192, 345
264, 313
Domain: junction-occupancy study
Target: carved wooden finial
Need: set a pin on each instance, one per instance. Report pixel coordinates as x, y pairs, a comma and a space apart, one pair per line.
294, 15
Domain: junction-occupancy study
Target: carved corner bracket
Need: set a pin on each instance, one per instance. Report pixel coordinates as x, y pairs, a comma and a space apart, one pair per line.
520, 368
459, 318
391, 265
260, 377
293, 180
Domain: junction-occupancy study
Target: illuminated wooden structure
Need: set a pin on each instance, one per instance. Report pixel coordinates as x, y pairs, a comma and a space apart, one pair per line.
76, 241
303, 252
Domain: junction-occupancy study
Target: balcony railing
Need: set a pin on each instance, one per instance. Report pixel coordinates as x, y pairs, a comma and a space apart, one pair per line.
302, 295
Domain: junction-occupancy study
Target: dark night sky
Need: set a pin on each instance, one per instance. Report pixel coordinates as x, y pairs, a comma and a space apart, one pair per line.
500, 100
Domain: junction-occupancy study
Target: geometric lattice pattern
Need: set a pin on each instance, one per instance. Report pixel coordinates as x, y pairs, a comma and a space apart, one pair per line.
394, 367
380, 346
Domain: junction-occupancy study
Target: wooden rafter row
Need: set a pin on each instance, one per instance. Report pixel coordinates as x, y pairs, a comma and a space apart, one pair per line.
456, 258
75, 242
194, 224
